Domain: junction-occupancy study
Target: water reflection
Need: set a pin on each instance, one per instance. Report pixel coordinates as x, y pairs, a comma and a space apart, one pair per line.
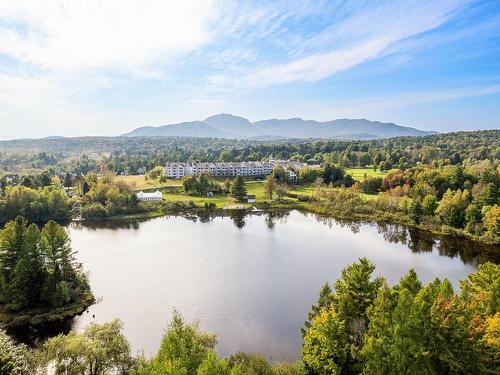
249, 277
416, 240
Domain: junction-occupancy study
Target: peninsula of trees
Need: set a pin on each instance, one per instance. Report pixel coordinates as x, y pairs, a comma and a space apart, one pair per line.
39, 277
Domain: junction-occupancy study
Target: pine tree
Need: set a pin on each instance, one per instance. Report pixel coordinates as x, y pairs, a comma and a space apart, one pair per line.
29, 273
57, 247
238, 189
354, 294
11, 245
85, 187
378, 341
61, 264
325, 301
411, 282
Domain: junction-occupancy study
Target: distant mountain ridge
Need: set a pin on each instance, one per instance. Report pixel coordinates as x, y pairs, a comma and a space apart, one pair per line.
229, 126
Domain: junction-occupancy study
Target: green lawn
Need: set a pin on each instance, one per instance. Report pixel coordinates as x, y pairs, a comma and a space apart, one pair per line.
359, 173
253, 187
140, 183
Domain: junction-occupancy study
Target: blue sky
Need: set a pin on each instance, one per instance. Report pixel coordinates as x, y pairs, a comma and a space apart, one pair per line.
105, 67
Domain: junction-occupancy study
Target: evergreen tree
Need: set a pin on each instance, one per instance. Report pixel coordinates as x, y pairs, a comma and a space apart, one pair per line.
325, 348
85, 187
354, 293
378, 341
238, 189
29, 272
411, 282
11, 245
325, 301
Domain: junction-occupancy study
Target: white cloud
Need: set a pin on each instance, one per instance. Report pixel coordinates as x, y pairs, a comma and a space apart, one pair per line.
118, 34
357, 38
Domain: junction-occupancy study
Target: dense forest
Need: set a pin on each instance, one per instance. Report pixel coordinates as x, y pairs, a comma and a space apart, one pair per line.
38, 271
133, 155
360, 324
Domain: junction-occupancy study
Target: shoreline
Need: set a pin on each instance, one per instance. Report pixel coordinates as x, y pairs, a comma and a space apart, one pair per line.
307, 207
39, 316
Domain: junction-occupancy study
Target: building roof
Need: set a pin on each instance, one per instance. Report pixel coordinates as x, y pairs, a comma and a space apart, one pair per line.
156, 194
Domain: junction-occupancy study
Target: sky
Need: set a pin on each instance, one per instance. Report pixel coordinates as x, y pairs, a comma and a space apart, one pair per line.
85, 67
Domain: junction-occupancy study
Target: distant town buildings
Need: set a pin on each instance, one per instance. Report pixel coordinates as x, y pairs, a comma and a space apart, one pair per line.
150, 197
231, 169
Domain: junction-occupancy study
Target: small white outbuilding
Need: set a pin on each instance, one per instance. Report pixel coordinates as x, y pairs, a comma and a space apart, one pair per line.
149, 197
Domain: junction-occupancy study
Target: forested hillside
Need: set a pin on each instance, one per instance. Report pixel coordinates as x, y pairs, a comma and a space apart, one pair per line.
81, 155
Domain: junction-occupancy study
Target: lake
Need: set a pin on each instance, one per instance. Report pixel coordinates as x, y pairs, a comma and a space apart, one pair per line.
251, 279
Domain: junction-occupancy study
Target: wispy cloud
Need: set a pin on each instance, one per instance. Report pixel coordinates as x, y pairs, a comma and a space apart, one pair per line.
401, 100
102, 64
353, 40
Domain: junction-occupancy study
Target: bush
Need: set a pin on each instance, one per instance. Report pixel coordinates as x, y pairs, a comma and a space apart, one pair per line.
94, 211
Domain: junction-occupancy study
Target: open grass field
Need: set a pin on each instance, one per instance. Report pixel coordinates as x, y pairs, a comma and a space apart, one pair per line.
140, 183
172, 190
253, 187
359, 173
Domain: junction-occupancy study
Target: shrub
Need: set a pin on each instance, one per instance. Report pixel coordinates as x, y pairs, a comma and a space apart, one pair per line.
94, 211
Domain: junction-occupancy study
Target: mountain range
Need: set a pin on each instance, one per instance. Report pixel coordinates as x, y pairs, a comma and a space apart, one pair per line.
229, 126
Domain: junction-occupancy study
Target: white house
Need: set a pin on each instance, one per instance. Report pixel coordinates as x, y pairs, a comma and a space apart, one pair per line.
150, 197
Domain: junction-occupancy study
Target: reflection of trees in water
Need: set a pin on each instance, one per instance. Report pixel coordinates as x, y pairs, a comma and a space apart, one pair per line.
330, 222
95, 225
417, 240
273, 217
238, 217
34, 335
420, 241
393, 233
468, 251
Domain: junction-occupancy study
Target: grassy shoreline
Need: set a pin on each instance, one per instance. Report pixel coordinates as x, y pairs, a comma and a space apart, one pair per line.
33, 317
308, 207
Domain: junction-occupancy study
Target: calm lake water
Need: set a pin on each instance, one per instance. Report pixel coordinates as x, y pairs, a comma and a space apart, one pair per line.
249, 279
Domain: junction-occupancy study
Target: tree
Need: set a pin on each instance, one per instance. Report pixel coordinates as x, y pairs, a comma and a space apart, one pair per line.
85, 187
11, 245
452, 207
354, 293
38, 268
325, 347
269, 186
238, 189
415, 210
29, 272
68, 180
100, 349
249, 364
325, 301
156, 173
183, 346
376, 351
429, 204
491, 220
12, 357
212, 365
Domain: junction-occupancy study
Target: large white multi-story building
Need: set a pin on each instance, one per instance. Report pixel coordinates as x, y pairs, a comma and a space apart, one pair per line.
230, 169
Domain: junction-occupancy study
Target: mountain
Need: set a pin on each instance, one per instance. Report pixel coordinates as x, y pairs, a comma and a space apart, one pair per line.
183, 129
230, 126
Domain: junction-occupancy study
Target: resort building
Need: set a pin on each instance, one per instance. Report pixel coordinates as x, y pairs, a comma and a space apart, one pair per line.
150, 197
230, 169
